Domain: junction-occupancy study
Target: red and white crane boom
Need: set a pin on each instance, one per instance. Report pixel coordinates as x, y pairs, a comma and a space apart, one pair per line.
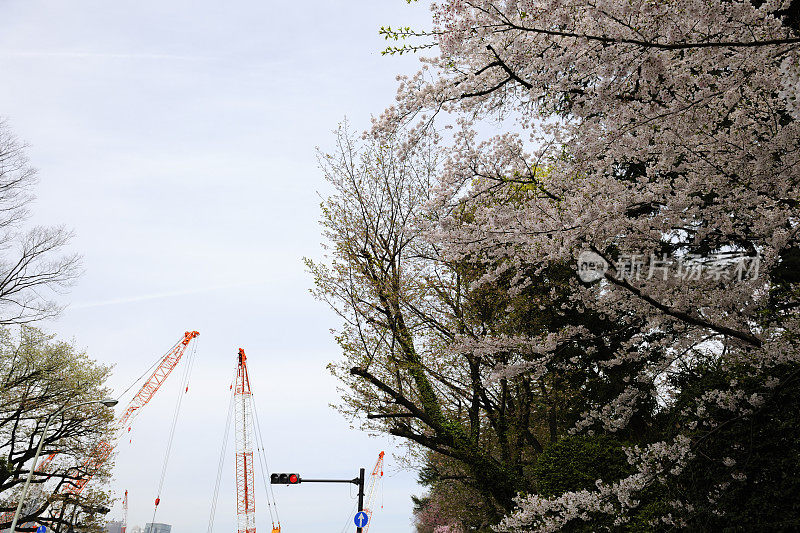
245, 479
372, 490
104, 449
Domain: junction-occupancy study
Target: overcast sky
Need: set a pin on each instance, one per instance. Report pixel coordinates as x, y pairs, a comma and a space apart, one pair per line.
178, 140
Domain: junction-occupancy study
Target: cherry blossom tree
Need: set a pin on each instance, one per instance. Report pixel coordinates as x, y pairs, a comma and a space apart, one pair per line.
658, 140
401, 304
427, 344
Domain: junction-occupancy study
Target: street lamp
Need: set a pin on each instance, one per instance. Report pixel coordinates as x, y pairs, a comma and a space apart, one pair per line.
108, 402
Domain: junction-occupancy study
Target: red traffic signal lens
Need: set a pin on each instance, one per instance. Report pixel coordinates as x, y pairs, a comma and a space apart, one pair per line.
285, 479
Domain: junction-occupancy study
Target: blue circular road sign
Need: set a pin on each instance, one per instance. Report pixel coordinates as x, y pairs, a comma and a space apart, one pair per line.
361, 519
41, 529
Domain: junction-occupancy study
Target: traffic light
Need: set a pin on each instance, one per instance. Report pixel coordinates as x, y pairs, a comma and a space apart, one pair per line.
285, 479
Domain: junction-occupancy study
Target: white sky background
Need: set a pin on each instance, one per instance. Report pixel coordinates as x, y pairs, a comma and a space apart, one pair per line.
177, 139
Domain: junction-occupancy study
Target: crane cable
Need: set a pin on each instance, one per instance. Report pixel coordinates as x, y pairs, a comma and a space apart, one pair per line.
350, 516
225, 438
181, 393
144, 374
148, 371
262, 459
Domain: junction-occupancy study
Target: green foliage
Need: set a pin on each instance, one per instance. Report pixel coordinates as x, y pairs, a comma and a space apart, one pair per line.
403, 33
757, 490
452, 500
575, 462
648, 516
40, 375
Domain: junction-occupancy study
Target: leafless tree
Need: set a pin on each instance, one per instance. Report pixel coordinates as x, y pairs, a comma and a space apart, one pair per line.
34, 263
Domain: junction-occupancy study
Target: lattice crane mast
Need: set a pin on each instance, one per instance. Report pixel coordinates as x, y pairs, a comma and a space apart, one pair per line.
125, 513
374, 480
245, 479
248, 439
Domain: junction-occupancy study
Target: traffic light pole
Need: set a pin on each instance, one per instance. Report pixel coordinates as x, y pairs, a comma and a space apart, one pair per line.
355, 481
360, 494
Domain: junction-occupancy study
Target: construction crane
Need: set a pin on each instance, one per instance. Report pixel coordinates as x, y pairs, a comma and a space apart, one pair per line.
374, 481
103, 450
245, 478
246, 417
125, 513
